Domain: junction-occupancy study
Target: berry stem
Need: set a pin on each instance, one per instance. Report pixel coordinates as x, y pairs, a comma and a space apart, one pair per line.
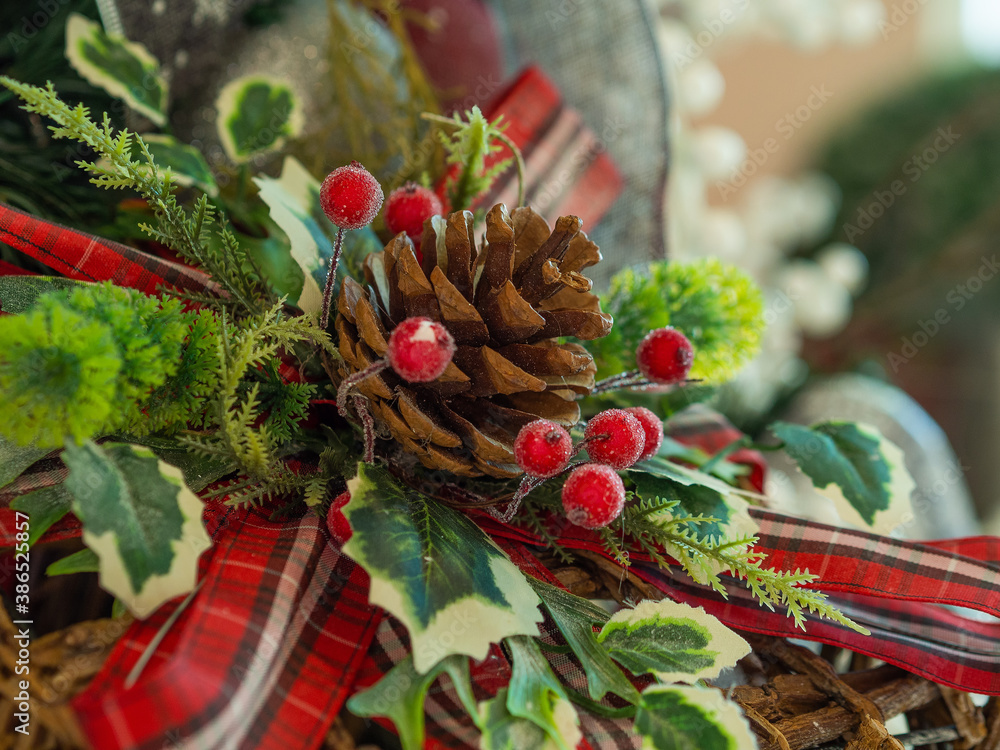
338, 247
348, 383
632, 380
361, 407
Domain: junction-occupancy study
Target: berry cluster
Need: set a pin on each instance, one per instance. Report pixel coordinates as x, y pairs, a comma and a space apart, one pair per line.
593, 494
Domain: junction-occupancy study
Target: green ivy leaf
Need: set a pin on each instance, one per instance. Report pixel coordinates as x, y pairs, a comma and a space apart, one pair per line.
576, 618
435, 570
535, 694
401, 693
139, 518
862, 472
44, 507
84, 561
502, 731
124, 69
186, 164
18, 293
673, 641
257, 114
679, 717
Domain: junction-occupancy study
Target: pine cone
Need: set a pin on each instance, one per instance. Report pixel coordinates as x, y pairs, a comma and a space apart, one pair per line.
504, 304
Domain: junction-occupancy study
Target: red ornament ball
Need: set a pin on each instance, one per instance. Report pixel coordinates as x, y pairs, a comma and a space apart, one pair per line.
652, 425
665, 356
593, 496
615, 437
408, 207
542, 448
420, 349
351, 196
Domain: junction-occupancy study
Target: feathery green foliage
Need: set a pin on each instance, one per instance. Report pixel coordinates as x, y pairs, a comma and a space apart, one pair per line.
58, 376
717, 306
227, 263
84, 360
468, 146
236, 427
648, 525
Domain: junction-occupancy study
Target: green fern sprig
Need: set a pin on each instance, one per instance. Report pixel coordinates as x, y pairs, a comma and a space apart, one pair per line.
472, 140
226, 262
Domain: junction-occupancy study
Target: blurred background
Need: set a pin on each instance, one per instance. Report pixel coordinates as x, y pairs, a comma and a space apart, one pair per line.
845, 152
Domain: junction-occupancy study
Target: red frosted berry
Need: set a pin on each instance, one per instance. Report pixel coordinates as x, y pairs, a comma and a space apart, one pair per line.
542, 448
351, 196
665, 356
420, 349
593, 496
615, 437
652, 425
408, 207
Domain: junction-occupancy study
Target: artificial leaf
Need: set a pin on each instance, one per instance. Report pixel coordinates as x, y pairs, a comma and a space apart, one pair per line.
862, 472
400, 694
141, 520
199, 469
124, 69
18, 293
673, 641
257, 114
435, 570
503, 731
535, 693
680, 717
44, 507
186, 164
576, 618
697, 499
294, 203
84, 561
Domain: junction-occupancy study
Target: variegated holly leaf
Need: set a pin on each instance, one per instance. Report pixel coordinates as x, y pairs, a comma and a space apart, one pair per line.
400, 694
257, 114
44, 507
435, 570
501, 730
139, 518
124, 69
186, 164
294, 203
535, 694
576, 618
675, 642
679, 717
862, 472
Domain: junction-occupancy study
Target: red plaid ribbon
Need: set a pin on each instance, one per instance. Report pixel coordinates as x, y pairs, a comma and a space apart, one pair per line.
263, 658
84, 257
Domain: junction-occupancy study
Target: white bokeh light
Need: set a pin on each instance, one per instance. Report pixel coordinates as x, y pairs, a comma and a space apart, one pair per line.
981, 30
